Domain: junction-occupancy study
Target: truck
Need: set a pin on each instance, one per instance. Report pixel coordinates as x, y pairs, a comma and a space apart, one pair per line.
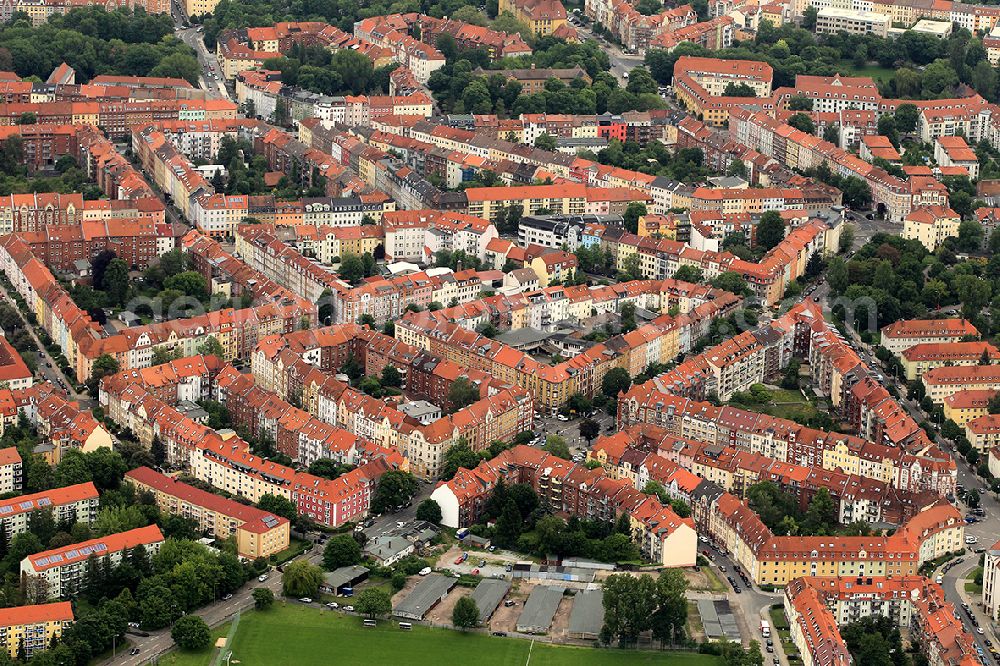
462, 533
765, 629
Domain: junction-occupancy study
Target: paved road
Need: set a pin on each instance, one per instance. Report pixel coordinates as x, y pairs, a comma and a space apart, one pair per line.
208, 62
159, 642
47, 366
620, 61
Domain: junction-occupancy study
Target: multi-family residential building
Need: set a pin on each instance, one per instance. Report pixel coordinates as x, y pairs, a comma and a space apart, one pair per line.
61, 571
931, 225
568, 487
258, 534
901, 335
817, 607
964, 406
918, 359
941, 382
11, 471
67, 505
31, 629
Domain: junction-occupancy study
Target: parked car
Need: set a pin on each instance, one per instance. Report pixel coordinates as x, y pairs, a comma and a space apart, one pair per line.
349, 609
227, 597
134, 651
261, 578
333, 605
306, 600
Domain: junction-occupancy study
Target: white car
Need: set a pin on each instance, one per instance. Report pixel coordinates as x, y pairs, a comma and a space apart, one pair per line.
306, 600
349, 609
261, 578
424, 571
333, 604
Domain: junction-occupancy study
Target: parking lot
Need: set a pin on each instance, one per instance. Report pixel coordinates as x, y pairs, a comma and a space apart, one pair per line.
569, 429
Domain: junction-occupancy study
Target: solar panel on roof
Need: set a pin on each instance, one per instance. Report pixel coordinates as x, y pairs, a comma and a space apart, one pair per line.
6, 509
72, 553
42, 561
56, 558
270, 521
45, 501
100, 547
27, 505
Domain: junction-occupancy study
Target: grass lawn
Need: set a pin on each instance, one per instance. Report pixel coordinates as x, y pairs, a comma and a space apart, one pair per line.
294, 634
295, 546
970, 585
874, 71
197, 658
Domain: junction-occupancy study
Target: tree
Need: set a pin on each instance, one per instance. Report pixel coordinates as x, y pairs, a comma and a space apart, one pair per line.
508, 526
738, 90
633, 212
326, 468
263, 598
629, 604
341, 550
589, 429
689, 273
906, 117
301, 579
395, 488
430, 511
278, 505
803, 122
462, 393
770, 230
373, 602
732, 282
545, 141
972, 499
191, 633
809, 16
466, 613
103, 366
821, 513
212, 347
457, 457
615, 381
831, 133
556, 445
970, 236
115, 282
391, 377
670, 617
352, 268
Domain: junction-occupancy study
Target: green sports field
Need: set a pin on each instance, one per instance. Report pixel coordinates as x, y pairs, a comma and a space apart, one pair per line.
294, 634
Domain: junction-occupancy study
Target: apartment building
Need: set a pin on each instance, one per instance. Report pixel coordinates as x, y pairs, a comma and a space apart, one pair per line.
11, 471
60, 571
964, 406
701, 84
817, 606
258, 534
991, 582
777, 560
918, 359
32, 629
984, 433
953, 151
567, 487
901, 335
68, 505
831, 20
943, 381
931, 225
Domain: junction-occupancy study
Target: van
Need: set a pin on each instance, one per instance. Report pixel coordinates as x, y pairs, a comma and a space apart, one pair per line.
424, 571
370, 623
405, 626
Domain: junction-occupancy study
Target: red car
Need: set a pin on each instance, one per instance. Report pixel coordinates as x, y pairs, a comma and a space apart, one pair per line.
475, 572
459, 559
